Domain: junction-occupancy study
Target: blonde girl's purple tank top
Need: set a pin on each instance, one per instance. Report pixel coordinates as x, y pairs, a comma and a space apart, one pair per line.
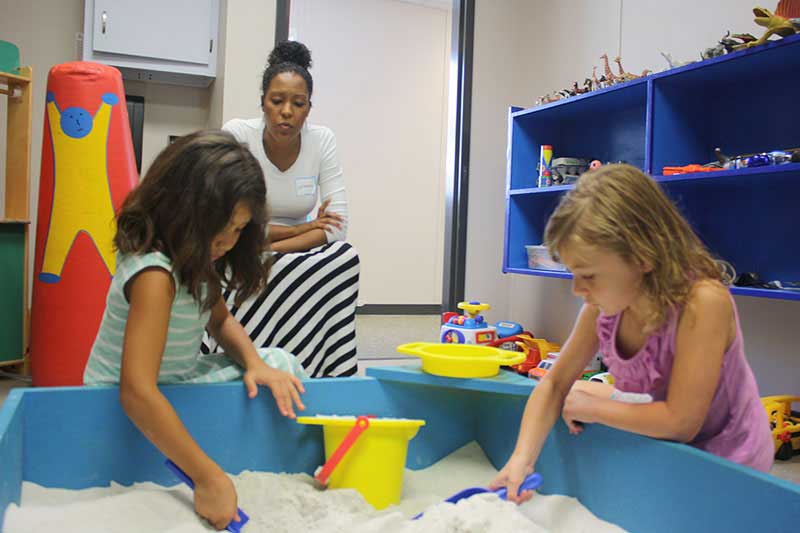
736, 426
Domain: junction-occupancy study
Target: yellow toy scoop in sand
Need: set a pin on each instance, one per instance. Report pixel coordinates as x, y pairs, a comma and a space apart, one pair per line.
461, 360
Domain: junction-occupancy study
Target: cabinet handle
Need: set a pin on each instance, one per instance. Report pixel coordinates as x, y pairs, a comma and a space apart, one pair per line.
104, 19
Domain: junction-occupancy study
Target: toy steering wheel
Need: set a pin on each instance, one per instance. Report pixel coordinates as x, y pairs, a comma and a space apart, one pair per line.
473, 308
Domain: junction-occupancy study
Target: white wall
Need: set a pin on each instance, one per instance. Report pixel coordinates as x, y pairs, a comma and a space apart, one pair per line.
527, 48
380, 83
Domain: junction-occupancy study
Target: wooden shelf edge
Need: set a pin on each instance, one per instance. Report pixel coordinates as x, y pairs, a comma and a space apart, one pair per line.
12, 363
14, 221
8, 77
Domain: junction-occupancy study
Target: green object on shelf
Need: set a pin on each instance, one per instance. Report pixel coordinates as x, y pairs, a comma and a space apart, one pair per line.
9, 57
12, 257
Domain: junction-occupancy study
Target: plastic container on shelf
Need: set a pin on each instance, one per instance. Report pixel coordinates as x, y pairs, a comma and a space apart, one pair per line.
539, 258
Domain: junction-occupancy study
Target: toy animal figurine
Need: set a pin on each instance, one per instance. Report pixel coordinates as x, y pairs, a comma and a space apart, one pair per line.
731, 42
611, 78
783, 22
623, 76
672, 63
626, 76
727, 44
578, 90
714, 51
601, 83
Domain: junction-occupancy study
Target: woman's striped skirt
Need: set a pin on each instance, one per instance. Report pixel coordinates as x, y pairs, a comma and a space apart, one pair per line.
308, 309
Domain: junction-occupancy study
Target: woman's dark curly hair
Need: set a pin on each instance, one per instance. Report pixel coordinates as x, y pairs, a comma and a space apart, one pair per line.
185, 200
288, 56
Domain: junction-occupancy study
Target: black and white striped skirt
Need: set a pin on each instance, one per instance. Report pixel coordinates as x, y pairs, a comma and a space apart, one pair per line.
308, 309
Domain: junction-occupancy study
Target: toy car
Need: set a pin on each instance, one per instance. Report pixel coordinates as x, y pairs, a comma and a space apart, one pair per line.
541, 369
785, 425
535, 350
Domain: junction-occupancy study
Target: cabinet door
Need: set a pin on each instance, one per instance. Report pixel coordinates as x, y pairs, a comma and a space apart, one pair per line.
12, 274
177, 30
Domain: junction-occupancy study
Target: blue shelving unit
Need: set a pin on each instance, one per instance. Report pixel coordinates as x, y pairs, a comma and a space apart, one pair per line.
744, 102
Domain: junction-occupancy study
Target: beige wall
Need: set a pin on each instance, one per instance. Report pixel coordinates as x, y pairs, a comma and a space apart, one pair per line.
520, 53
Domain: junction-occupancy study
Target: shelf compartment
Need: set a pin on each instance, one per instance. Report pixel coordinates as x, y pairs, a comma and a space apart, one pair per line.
609, 125
526, 218
727, 103
739, 291
745, 223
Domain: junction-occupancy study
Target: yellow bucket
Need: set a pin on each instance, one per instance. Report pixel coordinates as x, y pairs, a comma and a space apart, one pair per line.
375, 463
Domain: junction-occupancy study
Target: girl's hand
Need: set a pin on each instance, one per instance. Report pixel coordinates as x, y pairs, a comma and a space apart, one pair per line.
215, 500
285, 387
511, 476
578, 409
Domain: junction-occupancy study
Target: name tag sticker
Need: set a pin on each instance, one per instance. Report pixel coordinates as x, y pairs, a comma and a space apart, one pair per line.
305, 186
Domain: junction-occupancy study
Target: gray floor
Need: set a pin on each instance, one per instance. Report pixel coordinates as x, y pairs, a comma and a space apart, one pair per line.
378, 337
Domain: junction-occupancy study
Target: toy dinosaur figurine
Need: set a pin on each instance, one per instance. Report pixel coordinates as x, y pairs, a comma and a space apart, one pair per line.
781, 23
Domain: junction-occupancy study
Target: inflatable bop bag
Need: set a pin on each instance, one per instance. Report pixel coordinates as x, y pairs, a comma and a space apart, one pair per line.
88, 168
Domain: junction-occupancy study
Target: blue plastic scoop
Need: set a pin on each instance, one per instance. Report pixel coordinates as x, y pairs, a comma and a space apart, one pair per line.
234, 526
532, 482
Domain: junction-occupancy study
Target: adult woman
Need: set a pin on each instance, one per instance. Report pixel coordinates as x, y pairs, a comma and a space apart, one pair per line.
309, 305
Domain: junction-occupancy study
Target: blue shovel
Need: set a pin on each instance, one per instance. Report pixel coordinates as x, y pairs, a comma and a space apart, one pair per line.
531, 482
234, 526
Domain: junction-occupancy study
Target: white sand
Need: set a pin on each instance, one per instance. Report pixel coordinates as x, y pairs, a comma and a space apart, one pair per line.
290, 503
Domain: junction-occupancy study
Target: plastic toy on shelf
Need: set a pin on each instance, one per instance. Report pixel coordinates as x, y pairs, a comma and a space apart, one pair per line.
686, 169
784, 22
785, 425
594, 367
592, 84
775, 157
469, 328
535, 350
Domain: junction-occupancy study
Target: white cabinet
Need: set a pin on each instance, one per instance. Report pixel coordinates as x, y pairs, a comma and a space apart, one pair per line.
165, 41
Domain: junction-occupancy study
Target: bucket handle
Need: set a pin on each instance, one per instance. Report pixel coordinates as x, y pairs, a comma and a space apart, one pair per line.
362, 423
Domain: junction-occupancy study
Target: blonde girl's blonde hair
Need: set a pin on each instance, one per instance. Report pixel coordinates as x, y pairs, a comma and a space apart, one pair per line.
620, 209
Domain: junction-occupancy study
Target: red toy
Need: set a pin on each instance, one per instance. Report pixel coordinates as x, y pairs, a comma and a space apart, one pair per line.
686, 169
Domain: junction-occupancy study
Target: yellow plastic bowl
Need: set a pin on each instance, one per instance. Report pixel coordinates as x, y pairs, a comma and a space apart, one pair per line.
461, 360
375, 464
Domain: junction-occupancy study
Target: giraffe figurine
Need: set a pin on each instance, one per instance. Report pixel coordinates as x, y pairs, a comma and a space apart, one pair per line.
623, 76
598, 84
611, 79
